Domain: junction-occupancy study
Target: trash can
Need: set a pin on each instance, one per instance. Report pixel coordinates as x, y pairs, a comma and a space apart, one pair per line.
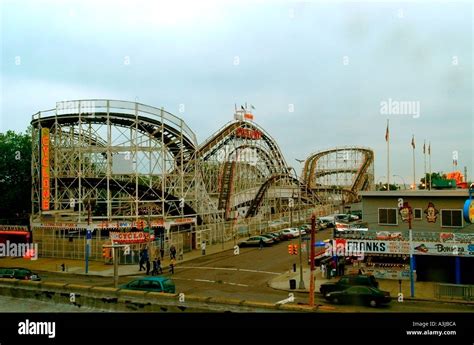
292, 284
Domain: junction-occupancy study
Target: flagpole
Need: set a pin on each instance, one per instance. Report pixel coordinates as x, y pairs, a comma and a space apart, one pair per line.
424, 154
388, 155
413, 146
429, 157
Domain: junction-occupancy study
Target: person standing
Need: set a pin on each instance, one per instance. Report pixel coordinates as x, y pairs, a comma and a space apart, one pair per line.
203, 247
261, 243
323, 270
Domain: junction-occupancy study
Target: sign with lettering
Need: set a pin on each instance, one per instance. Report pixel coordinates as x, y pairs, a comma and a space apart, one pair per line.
348, 247
450, 249
129, 237
45, 176
248, 133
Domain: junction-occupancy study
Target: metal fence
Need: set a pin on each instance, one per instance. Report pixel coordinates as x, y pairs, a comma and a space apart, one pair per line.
454, 291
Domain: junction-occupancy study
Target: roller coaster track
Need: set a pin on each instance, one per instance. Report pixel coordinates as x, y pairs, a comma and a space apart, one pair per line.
361, 181
227, 133
169, 132
255, 204
146, 192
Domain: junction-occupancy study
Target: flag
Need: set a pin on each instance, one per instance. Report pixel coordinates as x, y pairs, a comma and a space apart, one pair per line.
242, 107
413, 142
424, 145
455, 162
387, 133
429, 148
252, 106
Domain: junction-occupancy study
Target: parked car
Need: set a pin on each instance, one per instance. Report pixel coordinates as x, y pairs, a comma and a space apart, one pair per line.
18, 273
278, 235
290, 232
276, 238
285, 235
154, 284
347, 281
360, 295
326, 222
255, 241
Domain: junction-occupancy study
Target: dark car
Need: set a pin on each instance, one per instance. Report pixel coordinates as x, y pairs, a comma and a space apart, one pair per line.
18, 273
360, 295
348, 281
271, 235
278, 235
154, 284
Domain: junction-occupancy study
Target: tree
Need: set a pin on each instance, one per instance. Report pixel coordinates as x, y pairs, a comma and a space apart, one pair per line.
434, 176
15, 177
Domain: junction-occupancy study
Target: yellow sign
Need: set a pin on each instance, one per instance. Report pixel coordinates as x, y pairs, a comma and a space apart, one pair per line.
45, 177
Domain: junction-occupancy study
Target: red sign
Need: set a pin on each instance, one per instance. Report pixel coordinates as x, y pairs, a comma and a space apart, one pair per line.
129, 237
248, 133
45, 187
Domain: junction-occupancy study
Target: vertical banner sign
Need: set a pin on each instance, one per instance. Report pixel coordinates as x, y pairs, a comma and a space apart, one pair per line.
45, 178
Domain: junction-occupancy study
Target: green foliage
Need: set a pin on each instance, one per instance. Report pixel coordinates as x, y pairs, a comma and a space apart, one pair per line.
15, 177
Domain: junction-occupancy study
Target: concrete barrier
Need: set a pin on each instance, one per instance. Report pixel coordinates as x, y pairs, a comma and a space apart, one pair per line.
119, 300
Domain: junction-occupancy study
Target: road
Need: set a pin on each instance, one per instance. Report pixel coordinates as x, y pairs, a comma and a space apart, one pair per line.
245, 277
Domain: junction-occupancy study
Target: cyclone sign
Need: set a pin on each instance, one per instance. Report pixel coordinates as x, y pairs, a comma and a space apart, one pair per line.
129, 237
44, 157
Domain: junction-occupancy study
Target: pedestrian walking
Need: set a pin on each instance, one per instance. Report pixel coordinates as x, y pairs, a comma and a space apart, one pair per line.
323, 270
261, 243
341, 266
172, 265
158, 265
155, 267
147, 266
142, 261
162, 253
172, 252
203, 247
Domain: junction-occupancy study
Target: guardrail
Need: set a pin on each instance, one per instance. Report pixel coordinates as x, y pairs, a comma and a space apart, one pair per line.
119, 300
454, 291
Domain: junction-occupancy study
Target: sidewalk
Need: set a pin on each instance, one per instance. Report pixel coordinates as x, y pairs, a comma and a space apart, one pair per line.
424, 291
99, 268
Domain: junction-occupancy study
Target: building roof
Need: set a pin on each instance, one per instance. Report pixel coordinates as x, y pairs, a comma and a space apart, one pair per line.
417, 193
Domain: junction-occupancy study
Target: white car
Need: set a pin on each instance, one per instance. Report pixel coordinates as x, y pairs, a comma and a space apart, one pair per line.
293, 232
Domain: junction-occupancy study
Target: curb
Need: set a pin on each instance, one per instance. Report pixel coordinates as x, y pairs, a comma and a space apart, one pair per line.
431, 300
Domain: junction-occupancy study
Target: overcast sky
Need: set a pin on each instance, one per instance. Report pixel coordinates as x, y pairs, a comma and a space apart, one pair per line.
332, 63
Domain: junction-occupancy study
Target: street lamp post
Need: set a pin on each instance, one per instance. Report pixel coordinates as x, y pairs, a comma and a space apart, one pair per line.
301, 284
404, 184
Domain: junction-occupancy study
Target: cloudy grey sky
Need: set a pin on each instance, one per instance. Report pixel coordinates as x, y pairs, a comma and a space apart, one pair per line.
332, 62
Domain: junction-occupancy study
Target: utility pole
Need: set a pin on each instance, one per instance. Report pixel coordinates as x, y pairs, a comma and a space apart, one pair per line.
115, 248
311, 276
